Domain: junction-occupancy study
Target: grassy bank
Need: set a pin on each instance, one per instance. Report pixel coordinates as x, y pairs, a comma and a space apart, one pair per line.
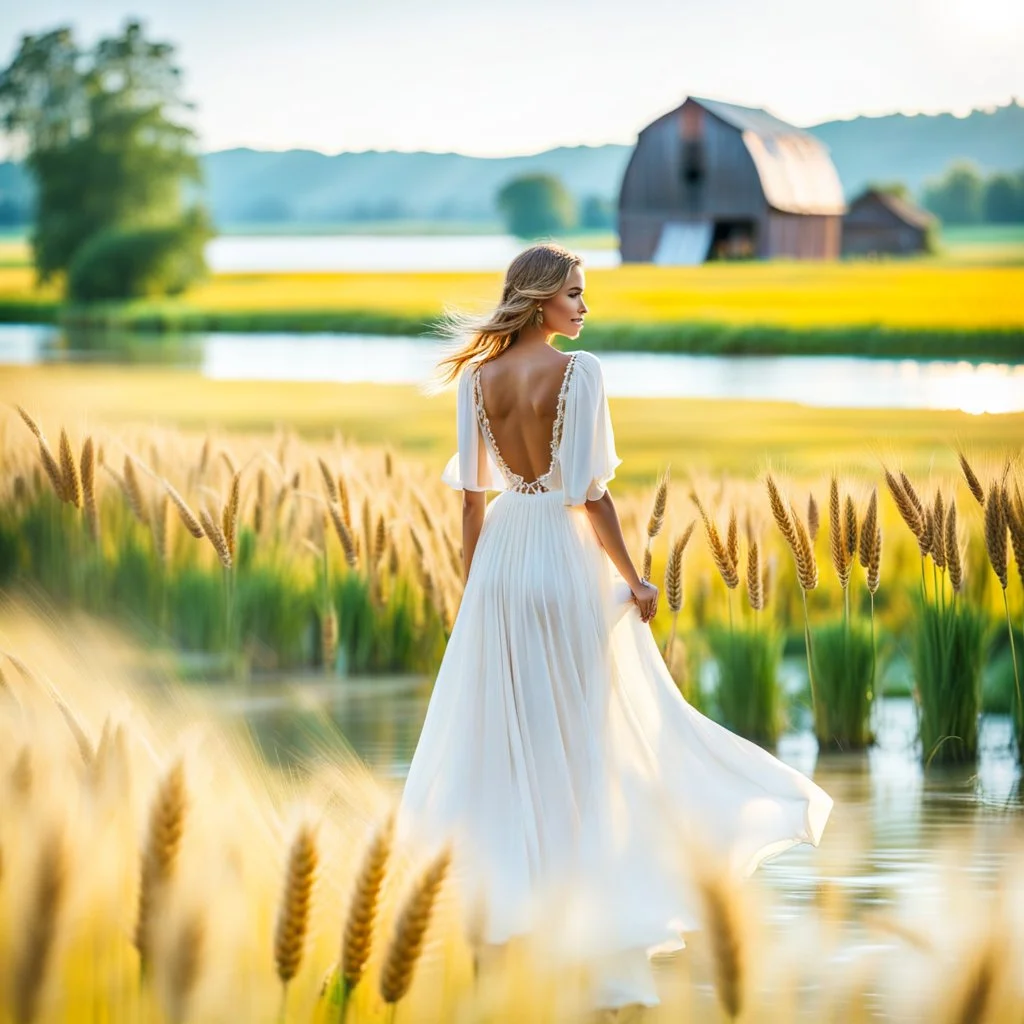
703, 435
913, 309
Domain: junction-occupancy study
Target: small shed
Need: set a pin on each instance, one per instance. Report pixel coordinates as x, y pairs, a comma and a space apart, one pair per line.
880, 222
713, 180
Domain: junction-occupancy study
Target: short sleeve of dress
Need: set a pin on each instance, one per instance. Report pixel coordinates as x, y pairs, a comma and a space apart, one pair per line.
587, 453
471, 468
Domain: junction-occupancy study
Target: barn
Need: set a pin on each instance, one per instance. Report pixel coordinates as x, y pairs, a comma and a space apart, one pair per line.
712, 180
880, 222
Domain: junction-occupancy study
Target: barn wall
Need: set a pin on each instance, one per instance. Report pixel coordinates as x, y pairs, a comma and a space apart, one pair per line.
870, 226
802, 236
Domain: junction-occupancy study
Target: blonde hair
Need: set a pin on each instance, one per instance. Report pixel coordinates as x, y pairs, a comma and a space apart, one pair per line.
536, 274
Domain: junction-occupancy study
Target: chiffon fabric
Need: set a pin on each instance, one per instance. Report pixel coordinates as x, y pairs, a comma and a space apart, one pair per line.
558, 757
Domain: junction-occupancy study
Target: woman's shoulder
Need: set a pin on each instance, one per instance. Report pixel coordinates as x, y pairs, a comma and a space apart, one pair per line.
587, 363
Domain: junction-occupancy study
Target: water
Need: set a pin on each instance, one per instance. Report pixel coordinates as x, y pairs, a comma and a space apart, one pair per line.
883, 841
837, 381
227, 254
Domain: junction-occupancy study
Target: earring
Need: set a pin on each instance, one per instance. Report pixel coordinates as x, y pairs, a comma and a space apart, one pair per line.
538, 317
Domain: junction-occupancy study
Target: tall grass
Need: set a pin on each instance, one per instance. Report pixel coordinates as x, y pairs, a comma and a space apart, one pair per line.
844, 666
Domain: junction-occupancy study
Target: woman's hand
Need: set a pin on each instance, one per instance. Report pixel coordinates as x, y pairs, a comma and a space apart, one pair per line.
646, 598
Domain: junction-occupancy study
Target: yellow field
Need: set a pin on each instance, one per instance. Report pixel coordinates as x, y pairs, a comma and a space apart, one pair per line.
906, 295
700, 435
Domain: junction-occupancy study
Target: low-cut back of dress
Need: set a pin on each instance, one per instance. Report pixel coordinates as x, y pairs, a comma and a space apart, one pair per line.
557, 755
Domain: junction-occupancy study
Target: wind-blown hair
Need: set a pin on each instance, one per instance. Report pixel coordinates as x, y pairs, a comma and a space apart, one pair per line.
536, 274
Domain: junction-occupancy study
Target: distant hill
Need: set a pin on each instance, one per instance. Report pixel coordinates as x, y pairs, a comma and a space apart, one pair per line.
913, 148
246, 186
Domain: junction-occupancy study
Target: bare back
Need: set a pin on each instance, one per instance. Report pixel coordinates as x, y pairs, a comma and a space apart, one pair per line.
520, 394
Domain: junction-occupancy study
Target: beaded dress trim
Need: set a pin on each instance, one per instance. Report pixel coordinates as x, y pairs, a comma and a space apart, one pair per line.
514, 480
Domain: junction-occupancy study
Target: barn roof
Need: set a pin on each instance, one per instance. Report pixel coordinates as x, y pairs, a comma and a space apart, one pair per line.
905, 210
796, 172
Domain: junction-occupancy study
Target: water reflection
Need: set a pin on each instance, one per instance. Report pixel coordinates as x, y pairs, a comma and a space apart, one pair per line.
890, 816
832, 381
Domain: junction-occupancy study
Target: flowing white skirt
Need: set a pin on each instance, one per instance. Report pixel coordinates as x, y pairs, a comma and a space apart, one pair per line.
561, 761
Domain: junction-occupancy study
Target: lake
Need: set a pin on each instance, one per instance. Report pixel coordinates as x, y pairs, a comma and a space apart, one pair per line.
836, 381
234, 253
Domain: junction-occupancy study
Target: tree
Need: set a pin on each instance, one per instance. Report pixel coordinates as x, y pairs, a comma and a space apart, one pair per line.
100, 137
1004, 199
597, 213
536, 204
956, 198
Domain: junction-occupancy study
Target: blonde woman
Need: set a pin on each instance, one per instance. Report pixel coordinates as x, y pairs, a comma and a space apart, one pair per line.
574, 782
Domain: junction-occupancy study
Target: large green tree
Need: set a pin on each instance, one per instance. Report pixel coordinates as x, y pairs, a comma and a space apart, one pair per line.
101, 133
535, 205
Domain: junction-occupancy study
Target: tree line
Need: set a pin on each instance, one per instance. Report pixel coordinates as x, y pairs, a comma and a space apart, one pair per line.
964, 196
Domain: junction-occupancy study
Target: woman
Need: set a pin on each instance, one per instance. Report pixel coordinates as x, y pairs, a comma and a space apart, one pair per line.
557, 755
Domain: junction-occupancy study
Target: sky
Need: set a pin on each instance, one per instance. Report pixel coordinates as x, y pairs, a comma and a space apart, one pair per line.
499, 78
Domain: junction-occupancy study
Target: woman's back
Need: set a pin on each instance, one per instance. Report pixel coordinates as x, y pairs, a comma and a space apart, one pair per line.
519, 391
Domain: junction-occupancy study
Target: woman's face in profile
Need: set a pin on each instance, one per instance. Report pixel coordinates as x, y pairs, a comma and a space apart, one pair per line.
564, 312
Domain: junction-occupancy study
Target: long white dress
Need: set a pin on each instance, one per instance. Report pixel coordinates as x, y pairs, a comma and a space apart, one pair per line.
557, 755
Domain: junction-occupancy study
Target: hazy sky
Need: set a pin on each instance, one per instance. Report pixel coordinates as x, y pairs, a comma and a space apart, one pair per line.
490, 78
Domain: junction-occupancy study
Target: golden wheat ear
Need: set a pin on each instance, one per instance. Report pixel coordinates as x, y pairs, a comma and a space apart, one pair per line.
293, 915
406, 944
358, 934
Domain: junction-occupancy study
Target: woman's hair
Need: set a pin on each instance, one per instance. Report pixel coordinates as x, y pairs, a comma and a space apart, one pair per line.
534, 275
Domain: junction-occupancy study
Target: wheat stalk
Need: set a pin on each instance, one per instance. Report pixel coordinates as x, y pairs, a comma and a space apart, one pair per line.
813, 517
185, 514
972, 480
657, 517
42, 917
1013, 513
184, 963
755, 591
867, 531
160, 855
951, 547
938, 533
330, 487
906, 508
837, 539
674, 570
133, 491
358, 934
995, 535
719, 552
293, 914
213, 530
69, 471
732, 540
806, 570
88, 476
406, 944
230, 513
344, 533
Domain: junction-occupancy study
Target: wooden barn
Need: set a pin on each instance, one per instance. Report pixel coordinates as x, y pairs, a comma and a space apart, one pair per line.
879, 222
713, 180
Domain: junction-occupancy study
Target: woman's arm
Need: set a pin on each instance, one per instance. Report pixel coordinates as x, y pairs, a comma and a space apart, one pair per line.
609, 532
474, 504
